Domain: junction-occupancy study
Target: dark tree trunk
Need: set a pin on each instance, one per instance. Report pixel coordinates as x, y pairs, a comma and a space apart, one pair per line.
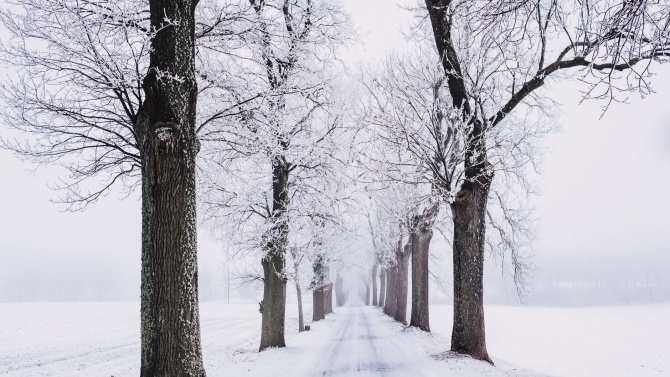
392, 283
420, 237
391, 297
170, 327
420, 255
389, 288
274, 284
374, 284
320, 287
469, 209
367, 294
382, 288
318, 312
401, 284
274, 302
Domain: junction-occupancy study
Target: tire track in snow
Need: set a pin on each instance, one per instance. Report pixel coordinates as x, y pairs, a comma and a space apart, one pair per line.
364, 346
110, 344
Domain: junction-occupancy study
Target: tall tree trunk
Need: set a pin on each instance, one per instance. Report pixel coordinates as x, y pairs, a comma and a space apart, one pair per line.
374, 284
401, 284
367, 294
469, 210
391, 292
274, 284
382, 288
327, 289
170, 320
298, 290
420, 255
317, 305
318, 289
301, 317
389, 289
420, 238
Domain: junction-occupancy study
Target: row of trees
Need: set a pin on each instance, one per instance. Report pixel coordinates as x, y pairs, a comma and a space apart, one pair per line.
241, 102
149, 94
451, 130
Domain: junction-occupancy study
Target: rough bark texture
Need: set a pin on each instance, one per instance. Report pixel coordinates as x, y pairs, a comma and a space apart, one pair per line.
469, 209
322, 302
322, 290
401, 283
382, 288
393, 284
318, 312
422, 233
274, 284
391, 304
468, 334
170, 328
420, 254
374, 284
439, 12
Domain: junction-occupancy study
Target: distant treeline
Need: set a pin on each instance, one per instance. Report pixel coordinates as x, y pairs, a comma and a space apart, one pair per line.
588, 282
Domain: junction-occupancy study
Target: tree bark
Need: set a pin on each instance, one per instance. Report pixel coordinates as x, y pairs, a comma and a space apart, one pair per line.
391, 297
382, 288
274, 283
469, 209
420, 255
374, 284
319, 290
170, 320
389, 288
317, 305
301, 317
401, 283
420, 237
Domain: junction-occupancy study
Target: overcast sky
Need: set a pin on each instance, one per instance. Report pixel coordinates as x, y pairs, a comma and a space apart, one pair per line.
604, 187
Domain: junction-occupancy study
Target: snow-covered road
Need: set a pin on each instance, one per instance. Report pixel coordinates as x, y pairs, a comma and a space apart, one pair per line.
363, 345
102, 339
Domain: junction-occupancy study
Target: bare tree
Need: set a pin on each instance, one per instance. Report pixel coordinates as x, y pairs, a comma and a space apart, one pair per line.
309, 239
387, 215
166, 133
610, 41
285, 144
77, 92
415, 143
108, 90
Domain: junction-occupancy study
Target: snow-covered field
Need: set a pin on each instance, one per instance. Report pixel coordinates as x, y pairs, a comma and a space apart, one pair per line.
580, 342
102, 339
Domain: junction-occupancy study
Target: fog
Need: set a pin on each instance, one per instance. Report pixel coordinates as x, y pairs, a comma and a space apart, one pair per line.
603, 229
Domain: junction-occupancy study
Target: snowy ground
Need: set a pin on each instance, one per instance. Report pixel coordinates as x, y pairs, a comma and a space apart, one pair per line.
585, 342
102, 339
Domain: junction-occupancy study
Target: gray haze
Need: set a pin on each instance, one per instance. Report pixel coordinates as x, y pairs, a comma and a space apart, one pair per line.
604, 210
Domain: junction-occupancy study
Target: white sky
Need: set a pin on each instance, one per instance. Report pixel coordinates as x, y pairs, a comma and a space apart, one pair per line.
605, 186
